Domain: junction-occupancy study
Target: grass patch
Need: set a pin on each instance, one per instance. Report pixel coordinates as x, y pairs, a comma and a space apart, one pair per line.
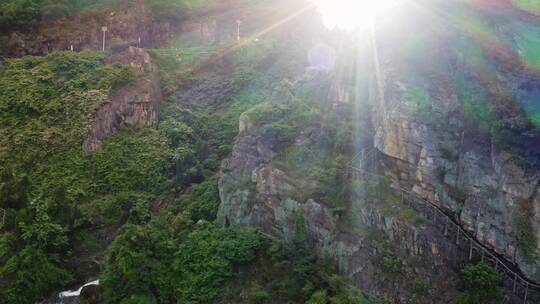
379, 193
418, 97
176, 65
529, 45
528, 5
525, 234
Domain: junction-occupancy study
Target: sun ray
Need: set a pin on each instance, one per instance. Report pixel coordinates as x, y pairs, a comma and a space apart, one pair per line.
254, 36
352, 14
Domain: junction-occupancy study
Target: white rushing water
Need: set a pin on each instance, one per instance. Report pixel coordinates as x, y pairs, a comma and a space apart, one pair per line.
76, 293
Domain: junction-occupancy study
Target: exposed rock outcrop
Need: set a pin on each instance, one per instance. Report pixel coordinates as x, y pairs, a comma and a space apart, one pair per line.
256, 193
440, 156
427, 143
127, 24
134, 23
134, 106
83, 31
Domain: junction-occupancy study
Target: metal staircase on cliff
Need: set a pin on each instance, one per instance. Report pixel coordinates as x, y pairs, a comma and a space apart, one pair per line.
469, 250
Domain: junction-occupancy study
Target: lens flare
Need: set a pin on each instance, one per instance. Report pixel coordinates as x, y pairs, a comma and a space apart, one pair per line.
352, 14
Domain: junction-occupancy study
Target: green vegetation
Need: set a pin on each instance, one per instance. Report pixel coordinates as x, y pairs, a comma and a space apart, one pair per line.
177, 64
392, 266
482, 284
212, 116
155, 261
476, 108
528, 5
50, 190
203, 202
525, 234
199, 131
257, 295
175, 9
23, 13
290, 273
418, 97
282, 121
68, 193
318, 166
420, 286
47, 102
529, 45
380, 194
195, 265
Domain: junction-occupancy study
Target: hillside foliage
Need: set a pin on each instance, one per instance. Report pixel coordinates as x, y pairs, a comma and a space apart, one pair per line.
56, 197
50, 190
22, 14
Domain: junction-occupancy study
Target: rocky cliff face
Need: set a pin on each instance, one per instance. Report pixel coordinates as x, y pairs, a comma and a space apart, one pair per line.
264, 200
134, 23
83, 31
439, 103
439, 154
257, 190
129, 24
134, 106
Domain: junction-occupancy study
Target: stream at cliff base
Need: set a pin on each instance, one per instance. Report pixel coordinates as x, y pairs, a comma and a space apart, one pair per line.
69, 295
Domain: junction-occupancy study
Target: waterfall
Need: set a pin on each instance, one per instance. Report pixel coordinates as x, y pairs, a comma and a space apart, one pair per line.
74, 293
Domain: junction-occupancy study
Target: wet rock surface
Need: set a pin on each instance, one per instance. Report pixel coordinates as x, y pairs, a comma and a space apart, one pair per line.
91, 295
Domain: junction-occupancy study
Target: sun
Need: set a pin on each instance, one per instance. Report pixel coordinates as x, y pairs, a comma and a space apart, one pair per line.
352, 14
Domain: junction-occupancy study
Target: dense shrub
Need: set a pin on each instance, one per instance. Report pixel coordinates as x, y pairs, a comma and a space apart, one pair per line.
257, 295
132, 161
281, 120
51, 190
47, 102
205, 260
482, 284
22, 14
290, 273
203, 202
199, 148
29, 273
525, 235
15, 14
139, 262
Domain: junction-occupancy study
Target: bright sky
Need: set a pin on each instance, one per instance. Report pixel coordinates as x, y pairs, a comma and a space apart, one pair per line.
352, 14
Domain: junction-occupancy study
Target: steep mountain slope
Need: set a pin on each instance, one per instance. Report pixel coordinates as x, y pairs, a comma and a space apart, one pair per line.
452, 94
241, 152
74, 178
53, 194
461, 131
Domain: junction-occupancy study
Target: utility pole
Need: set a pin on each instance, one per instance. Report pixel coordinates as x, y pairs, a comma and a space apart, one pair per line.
238, 22
103, 29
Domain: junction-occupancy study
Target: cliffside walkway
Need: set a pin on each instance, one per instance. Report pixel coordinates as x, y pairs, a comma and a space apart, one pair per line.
469, 249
